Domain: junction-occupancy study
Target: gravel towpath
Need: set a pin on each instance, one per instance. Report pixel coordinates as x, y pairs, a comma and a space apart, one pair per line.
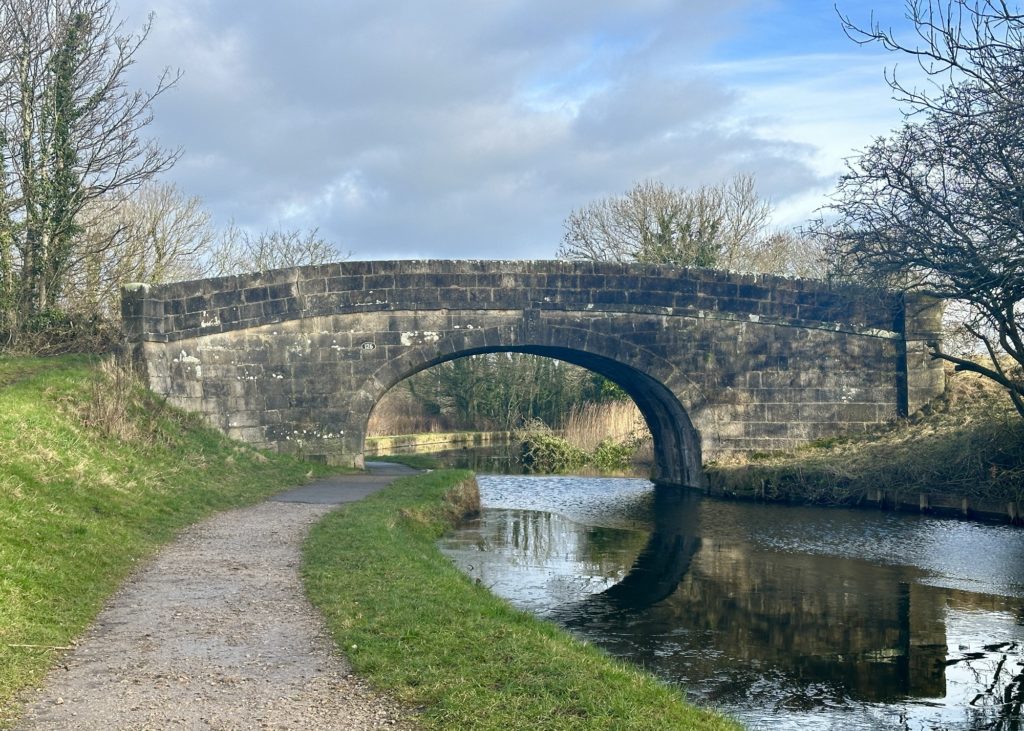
216, 633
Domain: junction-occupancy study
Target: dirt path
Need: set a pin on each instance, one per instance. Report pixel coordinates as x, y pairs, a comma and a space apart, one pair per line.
216, 633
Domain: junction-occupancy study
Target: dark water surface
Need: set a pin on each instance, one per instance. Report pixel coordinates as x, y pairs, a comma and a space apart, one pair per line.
784, 617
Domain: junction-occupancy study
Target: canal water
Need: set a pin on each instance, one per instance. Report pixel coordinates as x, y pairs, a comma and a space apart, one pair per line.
783, 617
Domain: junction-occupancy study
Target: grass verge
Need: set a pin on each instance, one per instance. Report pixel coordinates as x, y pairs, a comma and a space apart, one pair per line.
414, 625
96, 473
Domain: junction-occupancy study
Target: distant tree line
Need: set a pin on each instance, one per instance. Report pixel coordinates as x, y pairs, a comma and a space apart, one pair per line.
495, 392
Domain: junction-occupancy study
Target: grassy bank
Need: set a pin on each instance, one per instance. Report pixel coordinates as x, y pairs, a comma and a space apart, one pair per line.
416, 626
966, 450
96, 473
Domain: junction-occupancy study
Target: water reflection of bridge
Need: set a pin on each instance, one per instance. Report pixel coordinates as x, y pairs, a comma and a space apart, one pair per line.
826, 619
771, 612
732, 607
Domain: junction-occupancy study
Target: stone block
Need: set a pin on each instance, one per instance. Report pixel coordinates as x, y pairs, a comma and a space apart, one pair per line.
749, 290
254, 435
652, 298
857, 412
345, 283
722, 290
196, 304
241, 419
767, 429
255, 294
357, 267
315, 285
738, 305
374, 282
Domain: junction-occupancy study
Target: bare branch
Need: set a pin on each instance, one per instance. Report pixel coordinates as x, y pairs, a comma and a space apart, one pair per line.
240, 251
938, 206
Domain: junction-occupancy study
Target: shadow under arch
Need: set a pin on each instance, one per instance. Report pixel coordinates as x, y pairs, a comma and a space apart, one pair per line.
659, 567
676, 441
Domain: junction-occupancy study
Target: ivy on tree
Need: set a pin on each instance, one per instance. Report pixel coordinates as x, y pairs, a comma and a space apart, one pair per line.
70, 137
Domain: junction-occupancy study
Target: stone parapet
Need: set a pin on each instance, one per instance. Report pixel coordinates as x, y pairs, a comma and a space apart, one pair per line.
176, 311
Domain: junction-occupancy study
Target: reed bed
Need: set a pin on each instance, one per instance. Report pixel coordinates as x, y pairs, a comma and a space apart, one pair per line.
399, 412
597, 438
589, 424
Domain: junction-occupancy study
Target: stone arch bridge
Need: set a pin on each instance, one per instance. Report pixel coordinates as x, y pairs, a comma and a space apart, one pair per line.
717, 362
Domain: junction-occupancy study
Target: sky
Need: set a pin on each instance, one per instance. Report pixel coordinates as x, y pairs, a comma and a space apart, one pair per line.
408, 129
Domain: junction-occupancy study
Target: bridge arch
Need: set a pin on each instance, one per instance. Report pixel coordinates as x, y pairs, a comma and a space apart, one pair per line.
639, 372
718, 362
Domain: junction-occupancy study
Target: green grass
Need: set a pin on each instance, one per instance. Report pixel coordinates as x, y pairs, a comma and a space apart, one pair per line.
95, 474
417, 627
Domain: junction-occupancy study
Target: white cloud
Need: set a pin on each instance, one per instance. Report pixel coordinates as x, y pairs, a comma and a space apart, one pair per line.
835, 102
346, 195
455, 129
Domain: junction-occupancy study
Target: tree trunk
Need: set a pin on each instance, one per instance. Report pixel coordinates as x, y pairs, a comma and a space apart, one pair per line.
7, 299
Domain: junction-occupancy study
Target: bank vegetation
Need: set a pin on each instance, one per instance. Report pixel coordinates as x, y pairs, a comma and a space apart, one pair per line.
966, 445
604, 438
96, 473
417, 627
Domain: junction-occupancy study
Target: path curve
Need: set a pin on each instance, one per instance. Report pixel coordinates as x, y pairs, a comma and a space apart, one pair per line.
216, 633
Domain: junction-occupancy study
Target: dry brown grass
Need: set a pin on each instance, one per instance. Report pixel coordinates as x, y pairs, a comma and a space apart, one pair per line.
115, 406
589, 424
597, 438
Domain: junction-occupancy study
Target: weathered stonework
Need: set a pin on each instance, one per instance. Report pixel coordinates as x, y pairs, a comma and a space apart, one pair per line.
296, 359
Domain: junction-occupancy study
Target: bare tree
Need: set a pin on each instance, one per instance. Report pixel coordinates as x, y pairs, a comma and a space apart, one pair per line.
70, 137
974, 45
240, 251
713, 226
788, 252
157, 235
938, 205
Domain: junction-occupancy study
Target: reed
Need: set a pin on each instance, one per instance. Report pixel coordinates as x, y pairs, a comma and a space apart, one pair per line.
589, 424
